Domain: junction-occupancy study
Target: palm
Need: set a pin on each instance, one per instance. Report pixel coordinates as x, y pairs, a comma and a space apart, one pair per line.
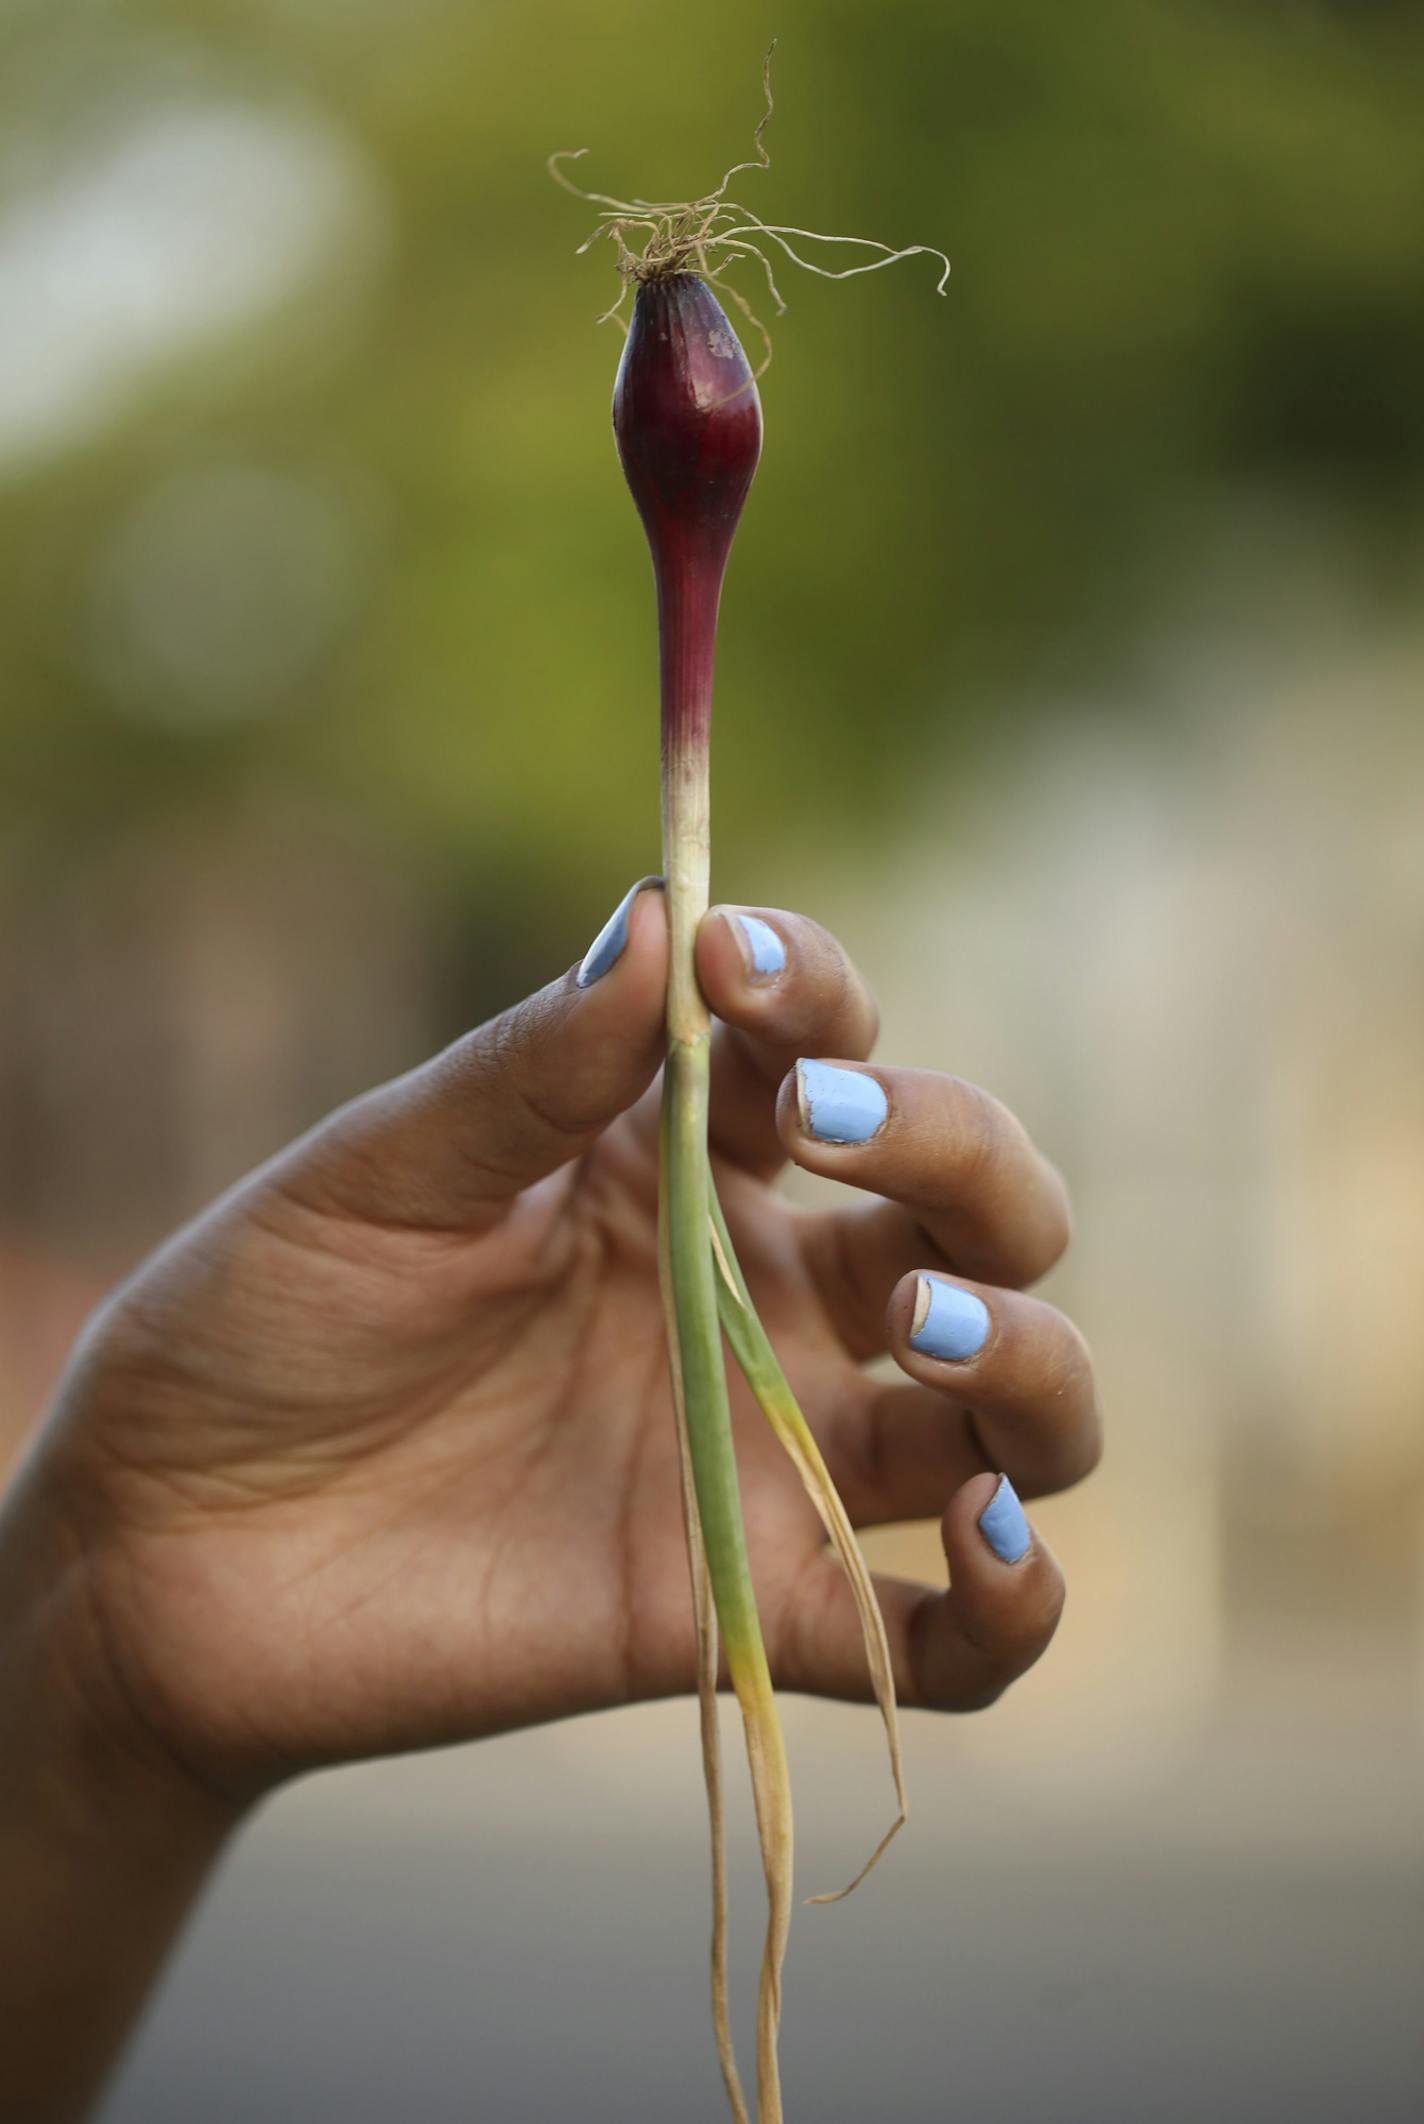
442, 1496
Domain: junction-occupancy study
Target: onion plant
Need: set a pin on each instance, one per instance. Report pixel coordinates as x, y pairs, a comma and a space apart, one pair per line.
688, 424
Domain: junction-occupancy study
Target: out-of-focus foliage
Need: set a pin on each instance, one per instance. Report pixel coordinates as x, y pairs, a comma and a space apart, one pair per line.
333, 508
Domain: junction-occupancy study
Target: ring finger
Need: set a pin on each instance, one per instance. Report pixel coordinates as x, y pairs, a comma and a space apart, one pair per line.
1002, 1382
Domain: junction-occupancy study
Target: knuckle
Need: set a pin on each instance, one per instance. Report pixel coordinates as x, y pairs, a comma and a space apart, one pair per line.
980, 1129
834, 999
502, 1048
509, 1062
1065, 1393
1011, 1190
1045, 1226
1058, 1214
838, 995
1057, 1226
1069, 1363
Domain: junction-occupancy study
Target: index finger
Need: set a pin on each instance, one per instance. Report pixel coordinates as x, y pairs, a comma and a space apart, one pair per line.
778, 984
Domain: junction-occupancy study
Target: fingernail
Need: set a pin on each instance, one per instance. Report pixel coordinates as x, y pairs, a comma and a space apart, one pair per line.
607, 947
839, 1105
1003, 1525
949, 1323
762, 948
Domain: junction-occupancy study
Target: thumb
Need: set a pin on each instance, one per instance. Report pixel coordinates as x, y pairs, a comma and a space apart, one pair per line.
449, 1145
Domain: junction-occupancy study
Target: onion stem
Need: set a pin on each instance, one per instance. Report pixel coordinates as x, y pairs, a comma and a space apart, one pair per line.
761, 1368
695, 1345
705, 1624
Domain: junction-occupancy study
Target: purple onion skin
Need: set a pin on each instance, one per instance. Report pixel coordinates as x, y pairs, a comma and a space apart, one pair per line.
687, 420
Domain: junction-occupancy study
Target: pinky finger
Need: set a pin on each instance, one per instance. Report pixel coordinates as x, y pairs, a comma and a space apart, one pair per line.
955, 1650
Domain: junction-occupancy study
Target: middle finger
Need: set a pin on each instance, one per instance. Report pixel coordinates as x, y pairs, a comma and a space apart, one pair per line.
961, 1176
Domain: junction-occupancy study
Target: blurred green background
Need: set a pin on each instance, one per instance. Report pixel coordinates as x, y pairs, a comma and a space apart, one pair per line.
1072, 666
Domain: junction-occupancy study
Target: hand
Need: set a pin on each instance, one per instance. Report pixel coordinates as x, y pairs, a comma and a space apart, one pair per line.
378, 1454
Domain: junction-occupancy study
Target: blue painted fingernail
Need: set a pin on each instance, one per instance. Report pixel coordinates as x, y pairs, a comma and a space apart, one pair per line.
1003, 1525
839, 1105
949, 1323
765, 949
607, 946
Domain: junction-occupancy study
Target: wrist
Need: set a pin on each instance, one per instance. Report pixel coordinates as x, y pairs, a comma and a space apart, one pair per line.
64, 1706
104, 1843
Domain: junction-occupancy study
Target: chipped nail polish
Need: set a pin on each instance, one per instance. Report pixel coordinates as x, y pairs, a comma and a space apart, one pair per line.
839, 1105
766, 954
949, 1323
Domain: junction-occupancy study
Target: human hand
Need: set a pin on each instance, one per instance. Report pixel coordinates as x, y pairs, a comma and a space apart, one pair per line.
378, 1454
